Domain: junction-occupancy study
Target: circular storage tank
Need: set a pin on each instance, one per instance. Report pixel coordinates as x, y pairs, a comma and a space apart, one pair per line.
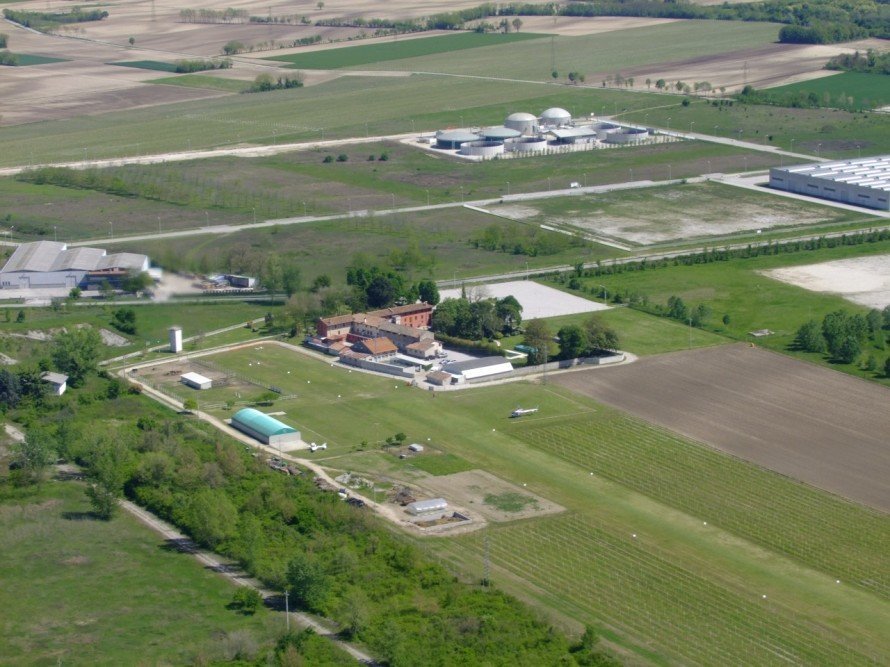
603, 130
527, 145
482, 148
522, 122
454, 139
556, 117
627, 135
499, 133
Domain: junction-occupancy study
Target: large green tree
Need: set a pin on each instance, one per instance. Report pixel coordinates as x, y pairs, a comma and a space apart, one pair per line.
76, 353
809, 337
600, 336
32, 456
538, 336
572, 342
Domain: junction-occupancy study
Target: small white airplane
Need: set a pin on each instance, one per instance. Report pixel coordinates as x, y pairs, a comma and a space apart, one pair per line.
519, 412
313, 447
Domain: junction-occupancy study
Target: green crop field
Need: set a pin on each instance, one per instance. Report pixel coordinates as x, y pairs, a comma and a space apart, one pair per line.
143, 199
359, 56
640, 333
338, 109
680, 591
440, 240
203, 81
870, 90
603, 53
25, 59
825, 132
753, 301
155, 65
76, 590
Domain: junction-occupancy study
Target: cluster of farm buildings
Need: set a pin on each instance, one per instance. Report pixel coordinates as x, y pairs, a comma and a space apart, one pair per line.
526, 134
397, 341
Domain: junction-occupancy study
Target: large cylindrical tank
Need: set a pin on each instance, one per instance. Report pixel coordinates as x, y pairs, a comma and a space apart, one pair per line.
454, 139
524, 123
482, 148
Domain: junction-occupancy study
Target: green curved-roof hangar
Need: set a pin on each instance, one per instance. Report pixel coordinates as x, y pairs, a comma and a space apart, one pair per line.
261, 423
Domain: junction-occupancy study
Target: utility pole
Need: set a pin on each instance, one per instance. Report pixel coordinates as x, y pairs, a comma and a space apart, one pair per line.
287, 609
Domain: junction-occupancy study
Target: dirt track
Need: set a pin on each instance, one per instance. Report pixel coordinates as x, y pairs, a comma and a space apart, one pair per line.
811, 423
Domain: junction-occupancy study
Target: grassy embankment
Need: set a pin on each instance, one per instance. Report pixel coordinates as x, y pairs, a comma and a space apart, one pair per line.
152, 322
861, 86
80, 590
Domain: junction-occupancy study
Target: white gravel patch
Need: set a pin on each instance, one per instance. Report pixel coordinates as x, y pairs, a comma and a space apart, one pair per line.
112, 339
865, 280
537, 300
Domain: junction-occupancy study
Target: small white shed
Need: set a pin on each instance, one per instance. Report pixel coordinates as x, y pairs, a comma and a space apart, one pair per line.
58, 382
196, 381
414, 447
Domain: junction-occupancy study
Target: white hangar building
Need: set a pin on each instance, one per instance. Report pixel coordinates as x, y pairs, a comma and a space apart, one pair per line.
862, 182
49, 264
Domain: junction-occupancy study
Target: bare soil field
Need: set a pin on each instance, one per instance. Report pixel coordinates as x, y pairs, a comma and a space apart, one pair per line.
810, 423
483, 493
761, 67
570, 26
864, 280
660, 214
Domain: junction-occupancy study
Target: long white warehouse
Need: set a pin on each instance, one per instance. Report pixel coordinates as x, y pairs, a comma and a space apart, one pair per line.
862, 182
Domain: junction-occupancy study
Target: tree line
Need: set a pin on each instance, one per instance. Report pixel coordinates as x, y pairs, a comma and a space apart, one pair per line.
201, 65
842, 336
870, 62
229, 15
45, 21
527, 240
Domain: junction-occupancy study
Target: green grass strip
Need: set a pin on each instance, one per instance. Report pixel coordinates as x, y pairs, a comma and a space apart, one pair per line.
203, 81
411, 48
155, 65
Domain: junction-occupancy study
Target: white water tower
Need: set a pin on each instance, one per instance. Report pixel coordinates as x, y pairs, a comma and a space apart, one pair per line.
175, 339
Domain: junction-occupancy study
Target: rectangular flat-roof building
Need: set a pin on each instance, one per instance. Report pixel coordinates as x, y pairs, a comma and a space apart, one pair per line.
861, 182
58, 381
484, 367
195, 381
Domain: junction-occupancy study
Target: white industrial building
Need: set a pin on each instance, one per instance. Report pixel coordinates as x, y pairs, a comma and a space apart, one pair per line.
861, 182
196, 381
525, 134
50, 264
475, 369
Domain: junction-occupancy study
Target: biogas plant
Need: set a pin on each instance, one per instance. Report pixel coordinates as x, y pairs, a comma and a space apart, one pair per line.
524, 134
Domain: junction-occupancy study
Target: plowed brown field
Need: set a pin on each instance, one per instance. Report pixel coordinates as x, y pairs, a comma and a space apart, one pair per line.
810, 423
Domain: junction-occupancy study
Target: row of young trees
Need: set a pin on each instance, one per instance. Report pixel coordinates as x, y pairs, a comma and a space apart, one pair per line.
524, 240
871, 62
